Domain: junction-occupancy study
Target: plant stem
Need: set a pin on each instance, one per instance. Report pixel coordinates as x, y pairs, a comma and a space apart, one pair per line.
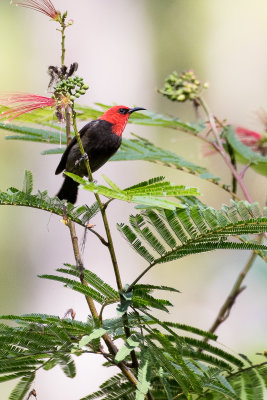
73, 234
62, 31
63, 45
230, 300
101, 207
219, 146
141, 276
233, 161
110, 245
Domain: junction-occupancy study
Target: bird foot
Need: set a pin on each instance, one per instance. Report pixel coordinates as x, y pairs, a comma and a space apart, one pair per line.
84, 157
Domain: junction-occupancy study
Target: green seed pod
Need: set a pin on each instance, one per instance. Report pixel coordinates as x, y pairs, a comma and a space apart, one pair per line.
77, 95
181, 97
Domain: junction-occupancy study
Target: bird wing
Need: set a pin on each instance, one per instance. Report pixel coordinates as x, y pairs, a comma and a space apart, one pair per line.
62, 164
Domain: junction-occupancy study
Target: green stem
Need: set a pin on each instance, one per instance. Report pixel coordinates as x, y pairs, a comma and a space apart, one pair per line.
63, 37
63, 50
141, 275
101, 207
233, 161
109, 239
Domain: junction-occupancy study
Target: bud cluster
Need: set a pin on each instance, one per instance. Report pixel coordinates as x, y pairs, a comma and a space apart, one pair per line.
182, 88
61, 18
71, 88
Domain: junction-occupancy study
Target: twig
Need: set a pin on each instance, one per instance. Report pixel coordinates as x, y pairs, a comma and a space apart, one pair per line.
63, 37
140, 276
220, 148
63, 27
230, 300
246, 369
244, 170
74, 238
102, 240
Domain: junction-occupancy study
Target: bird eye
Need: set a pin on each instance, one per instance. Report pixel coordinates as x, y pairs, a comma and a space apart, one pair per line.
123, 110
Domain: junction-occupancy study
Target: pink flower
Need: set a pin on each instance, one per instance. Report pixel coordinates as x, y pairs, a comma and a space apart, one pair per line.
249, 138
43, 6
22, 103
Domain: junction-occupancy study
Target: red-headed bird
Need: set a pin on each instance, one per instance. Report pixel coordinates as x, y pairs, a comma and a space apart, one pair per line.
101, 139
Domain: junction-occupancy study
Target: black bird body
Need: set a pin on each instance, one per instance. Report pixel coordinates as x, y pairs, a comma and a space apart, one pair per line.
99, 142
101, 139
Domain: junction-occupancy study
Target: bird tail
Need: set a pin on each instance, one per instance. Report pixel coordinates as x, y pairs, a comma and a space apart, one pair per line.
68, 190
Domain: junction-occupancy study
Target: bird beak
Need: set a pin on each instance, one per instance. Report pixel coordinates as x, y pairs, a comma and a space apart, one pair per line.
131, 110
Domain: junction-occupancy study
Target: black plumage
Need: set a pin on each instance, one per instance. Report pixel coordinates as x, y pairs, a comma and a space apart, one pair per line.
99, 142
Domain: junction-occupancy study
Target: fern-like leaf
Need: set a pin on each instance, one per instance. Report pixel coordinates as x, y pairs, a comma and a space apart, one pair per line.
149, 194
22, 388
14, 197
162, 236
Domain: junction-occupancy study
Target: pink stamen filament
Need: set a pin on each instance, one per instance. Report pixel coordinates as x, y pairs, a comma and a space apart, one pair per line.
25, 103
43, 6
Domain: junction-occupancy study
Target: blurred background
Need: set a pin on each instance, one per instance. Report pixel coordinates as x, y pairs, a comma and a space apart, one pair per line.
125, 49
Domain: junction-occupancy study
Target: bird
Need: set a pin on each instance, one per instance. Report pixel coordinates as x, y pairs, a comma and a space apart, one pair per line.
101, 139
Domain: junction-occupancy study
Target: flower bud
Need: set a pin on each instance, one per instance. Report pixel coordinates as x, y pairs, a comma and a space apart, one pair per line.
181, 97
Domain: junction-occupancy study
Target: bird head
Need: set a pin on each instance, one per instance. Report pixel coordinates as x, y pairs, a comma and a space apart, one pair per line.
118, 117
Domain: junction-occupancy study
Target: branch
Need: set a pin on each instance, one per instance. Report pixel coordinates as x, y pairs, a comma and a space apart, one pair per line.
219, 147
73, 234
235, 292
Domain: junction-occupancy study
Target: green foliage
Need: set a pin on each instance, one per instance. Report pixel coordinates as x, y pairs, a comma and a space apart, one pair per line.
150, 193
96, 288
130, 344
188, 365
33, 134
96, 334
37, 341
163, 386
249, 383
22, 388
144, 374
28, 183
154, 234
14, 197
143, 150
175, 360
